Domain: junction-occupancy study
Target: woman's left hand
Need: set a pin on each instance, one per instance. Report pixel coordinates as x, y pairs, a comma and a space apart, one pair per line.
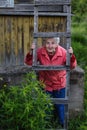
70, 50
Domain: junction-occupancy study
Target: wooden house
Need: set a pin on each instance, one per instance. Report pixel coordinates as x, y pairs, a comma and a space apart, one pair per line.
16, 29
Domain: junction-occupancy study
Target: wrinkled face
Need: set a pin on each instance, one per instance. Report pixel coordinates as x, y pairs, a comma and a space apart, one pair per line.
51, 45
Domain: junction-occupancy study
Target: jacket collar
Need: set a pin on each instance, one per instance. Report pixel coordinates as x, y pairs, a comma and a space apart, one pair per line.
58, 52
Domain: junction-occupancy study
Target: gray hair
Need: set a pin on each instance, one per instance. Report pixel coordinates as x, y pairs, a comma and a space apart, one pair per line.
57, 39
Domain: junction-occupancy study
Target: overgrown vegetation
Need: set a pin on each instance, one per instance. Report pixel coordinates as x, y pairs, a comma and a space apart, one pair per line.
79, 44
25, 107
79, 9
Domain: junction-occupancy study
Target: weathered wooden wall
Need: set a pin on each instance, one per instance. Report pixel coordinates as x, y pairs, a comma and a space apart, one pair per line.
23, 1
16, 35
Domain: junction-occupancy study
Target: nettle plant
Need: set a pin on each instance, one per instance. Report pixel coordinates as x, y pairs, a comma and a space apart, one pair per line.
25, 107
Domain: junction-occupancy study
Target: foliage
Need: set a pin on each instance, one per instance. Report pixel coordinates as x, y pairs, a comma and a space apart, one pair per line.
79, 9
79, 6
25, 107
79, 44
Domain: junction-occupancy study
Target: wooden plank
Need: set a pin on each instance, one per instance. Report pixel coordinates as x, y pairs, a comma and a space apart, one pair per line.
68, 18
31, 29
7, 40
52, 14
42, 27
2, 45
40, 23
23, 69
26, 34
34, 60
52, 2
14, 47
50, 24
43, 67
46, 8
52, 34
30, 8
4, 12
63, 29
20, 35
15, 40
57, 24
23, 1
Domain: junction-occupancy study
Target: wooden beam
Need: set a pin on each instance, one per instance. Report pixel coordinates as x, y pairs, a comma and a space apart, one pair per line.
52, 2
52, 34
28, 9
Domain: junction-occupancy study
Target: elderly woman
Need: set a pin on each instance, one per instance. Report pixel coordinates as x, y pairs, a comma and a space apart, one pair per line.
55, 80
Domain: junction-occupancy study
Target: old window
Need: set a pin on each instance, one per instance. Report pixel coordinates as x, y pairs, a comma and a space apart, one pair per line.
6, 3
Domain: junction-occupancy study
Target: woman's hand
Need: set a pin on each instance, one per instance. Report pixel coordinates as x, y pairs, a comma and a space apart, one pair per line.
70, 50
32, 48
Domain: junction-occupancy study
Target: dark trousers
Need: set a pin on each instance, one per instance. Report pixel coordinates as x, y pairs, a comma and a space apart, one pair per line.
59, 107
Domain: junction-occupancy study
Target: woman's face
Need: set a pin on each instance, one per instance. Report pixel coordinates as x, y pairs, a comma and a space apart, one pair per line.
51, 45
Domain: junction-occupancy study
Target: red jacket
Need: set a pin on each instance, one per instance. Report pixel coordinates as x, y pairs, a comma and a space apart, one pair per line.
54, 79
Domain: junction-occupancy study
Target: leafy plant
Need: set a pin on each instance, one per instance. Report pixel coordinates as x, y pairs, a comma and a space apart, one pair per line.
24, 107
79, 9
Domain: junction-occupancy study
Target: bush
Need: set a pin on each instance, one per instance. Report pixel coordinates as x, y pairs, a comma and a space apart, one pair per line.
25, 107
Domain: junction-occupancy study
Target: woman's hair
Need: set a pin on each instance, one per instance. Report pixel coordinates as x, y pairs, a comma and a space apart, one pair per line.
57, 40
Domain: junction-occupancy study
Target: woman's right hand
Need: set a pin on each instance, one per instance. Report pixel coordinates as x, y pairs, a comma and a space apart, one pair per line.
33, 46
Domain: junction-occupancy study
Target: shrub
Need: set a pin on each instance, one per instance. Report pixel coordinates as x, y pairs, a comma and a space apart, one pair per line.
24, 107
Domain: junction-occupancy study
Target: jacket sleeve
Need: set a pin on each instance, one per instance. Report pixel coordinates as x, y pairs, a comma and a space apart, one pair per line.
73, 62
28, 59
